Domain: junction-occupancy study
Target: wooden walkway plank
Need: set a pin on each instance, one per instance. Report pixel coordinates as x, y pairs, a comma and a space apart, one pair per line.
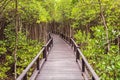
61, 63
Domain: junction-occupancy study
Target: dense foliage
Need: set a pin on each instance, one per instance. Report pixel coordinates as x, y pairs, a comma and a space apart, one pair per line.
27, 50
30, 13
91, 21
94, 24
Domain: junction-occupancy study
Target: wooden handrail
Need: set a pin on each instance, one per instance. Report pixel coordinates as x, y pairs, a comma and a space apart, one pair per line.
23, 75
94, 75
29, 66
84, 60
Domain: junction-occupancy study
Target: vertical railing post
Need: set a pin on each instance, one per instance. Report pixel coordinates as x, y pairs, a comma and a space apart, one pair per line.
52, 42
64, 36
74, 47
25, 77
47, 48
93, 78
83, 66
38, 63
77, 53
45, 53
71, 42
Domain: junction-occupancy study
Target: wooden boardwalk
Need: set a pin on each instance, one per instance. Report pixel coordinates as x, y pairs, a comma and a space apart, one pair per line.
61, 63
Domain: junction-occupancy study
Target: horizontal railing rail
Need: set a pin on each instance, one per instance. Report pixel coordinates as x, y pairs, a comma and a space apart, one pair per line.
44, 51
81, 58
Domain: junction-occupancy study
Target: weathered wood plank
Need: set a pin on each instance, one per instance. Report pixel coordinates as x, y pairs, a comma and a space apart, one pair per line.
61, 63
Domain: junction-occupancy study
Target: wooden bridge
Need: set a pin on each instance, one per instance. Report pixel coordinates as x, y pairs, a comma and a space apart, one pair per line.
61, 60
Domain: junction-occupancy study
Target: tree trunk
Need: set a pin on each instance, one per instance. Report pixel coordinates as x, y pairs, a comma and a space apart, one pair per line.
16, 40
105, 25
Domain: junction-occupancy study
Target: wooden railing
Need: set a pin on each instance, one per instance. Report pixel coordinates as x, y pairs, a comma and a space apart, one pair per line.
80, 58
39, 62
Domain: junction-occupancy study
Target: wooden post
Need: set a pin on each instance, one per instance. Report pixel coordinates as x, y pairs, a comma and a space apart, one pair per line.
71, 42
47, 48
72, 45
74, 48
52, 42
38, 62
77, 54
93, 78
25, 77
83, 66
45, 53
